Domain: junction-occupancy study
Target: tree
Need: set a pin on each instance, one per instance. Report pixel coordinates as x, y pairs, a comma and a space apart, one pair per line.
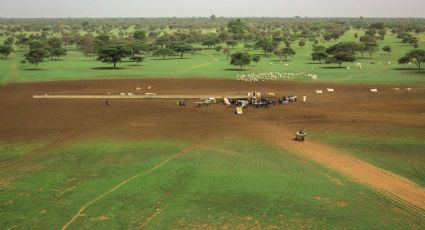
319, 53
284, 53
5, 51
210, 42
136, 47
180, 47
371, 47
240, 59
140, 35
343, 47
248, 46
415, 56
87, 44
55, 47
163, 51
231, 43
382, 33
368, 38
256, 59
162, 41
113, 53
9, 41
227, 52
342, 52
361, 48
137, 59
101, 40
387, 49
267, 45
36, 56
57, 52
218, 48
339, 58
236, 26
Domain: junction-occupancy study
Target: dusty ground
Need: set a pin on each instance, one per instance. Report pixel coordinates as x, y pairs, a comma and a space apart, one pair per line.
350, 108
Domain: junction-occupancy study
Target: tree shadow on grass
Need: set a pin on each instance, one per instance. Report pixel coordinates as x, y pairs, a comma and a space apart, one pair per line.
33, 69
333, 67
314, 63
107, 68
135, 65
235, 69
413, 70
162, 59
279, 61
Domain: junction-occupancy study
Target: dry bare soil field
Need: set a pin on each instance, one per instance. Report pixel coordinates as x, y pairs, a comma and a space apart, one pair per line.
342, 157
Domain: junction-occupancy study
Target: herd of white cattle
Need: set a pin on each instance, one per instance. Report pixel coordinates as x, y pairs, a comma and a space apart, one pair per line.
256, 77
372, 90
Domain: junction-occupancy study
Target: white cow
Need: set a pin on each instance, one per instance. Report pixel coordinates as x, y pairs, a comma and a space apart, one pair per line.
373, 90
318, 91
122, 94
409, 89
330, 90
395, 89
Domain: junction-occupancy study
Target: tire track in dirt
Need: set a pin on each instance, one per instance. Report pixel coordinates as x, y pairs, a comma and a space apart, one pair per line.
398, 188
88, 204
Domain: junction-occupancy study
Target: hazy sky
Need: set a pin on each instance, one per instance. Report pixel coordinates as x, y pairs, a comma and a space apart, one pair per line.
228, 8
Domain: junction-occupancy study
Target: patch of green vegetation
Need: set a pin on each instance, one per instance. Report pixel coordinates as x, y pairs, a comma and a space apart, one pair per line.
209, 63
402, 155
233, 183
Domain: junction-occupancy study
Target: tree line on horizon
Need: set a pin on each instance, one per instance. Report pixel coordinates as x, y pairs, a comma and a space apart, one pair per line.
98, 41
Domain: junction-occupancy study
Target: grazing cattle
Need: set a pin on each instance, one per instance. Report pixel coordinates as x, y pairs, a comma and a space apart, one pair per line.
395, 89
122, 94
409, 89
373, 90
330, 90
348, 67
318, 91
138, 88
149, 88
130, 94
389, 63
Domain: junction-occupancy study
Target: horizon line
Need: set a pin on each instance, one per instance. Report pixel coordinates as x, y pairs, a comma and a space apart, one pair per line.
223, 17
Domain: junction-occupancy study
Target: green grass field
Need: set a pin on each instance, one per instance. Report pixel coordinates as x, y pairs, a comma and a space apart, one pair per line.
209, 63
238, 184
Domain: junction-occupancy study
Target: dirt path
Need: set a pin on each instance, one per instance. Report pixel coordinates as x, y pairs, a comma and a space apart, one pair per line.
88, 204
398, 188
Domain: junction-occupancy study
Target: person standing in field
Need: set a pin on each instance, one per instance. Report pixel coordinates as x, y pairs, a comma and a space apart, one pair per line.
107, 102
